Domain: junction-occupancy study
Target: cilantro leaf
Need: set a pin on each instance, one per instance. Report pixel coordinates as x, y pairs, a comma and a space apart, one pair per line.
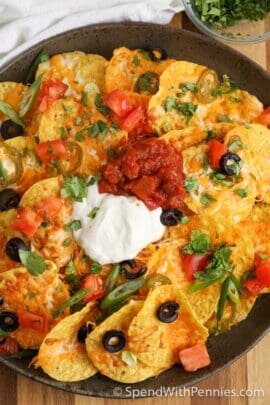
95, 268
74, 187
33, 262
102, 108
219, 264
206, 199
74, 225
241, 192
199, 243
191, 184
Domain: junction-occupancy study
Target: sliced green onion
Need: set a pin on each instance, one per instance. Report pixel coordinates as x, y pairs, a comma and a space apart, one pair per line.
222, 298
111, 279
43, 56
7, 110
29, 96
77, 297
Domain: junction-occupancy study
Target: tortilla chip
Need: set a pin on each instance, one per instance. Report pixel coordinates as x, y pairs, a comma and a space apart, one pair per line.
40, 295
182, 72
11, 93
60, 114
61, 356
80, 71
127, 65
32, 170
224, 201
168, 260
159, 343
233, 314
39, 191
111, 364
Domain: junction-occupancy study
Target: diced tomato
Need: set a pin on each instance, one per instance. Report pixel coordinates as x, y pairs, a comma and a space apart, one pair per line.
263, 273
27, 221
193, 263
9, 346
195, 357
50, 91
95, 286
119, 102
49, 207
216, 150
254, 286
257, 260
32, 321
47, 151
264, 117
135, 118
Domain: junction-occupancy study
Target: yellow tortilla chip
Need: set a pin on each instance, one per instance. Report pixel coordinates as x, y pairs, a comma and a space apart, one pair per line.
39, 295
80, 71
164, 117
39, 191
112, 365
127, 65
61, 356
233, 314
220, 198
159, 343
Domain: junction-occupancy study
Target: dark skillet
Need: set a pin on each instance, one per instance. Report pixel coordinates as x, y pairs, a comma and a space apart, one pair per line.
102, 39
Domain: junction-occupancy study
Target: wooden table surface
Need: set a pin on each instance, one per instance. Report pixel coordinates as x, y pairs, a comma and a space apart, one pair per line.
250, 372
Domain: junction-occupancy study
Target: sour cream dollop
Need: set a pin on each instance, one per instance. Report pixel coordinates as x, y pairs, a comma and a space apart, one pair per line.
121, 228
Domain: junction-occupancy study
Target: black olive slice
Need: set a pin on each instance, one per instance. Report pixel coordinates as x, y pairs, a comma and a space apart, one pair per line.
171, 217
9, 198
1, 300
8, 321
230, 164
10, 129
125, 267
168, 312
156, 54
113, 341
13, 246
83, 332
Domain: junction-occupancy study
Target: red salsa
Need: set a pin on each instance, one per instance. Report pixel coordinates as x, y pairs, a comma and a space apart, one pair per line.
150, 169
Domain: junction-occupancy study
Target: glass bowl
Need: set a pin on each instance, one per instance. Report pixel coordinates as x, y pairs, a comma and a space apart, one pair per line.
243, 32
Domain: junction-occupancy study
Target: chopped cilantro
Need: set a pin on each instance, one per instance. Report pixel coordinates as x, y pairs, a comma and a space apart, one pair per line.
74, 225
67, 108
235, 99
114, 128
199, 243
80, 137
188, 87
95, 268
215, 271
210, 134
102, 108
99, 129
2, 171
84, 98
94, 179
241, 192
235, 145
206, 199
221, 178
78, 121
191, 184
74, 187
224, 118
136, 60
33, 262
92, 214
63, 133
25, 152
67, 242
186, 109
205, 163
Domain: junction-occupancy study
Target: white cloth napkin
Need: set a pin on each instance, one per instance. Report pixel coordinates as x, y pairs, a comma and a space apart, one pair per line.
25, 22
